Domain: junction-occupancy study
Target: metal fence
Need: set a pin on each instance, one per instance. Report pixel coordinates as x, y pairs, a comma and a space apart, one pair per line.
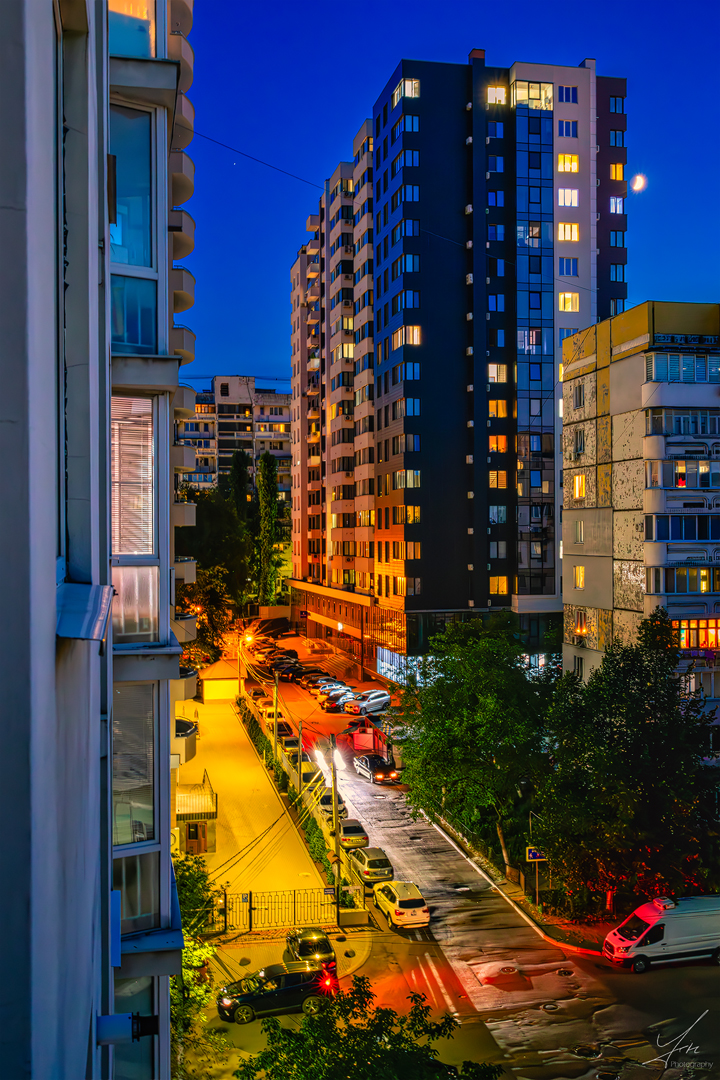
268, 909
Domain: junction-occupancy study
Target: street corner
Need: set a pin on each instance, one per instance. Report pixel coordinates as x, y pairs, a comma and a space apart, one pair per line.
559, 991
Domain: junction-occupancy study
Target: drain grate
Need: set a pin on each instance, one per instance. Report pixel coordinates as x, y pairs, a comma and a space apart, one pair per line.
565, 971
508, 970
550, 1006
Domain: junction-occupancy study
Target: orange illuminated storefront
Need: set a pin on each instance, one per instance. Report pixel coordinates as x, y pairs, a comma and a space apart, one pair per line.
698, 633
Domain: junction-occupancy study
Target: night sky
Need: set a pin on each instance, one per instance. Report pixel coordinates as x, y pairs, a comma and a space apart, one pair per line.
291, 84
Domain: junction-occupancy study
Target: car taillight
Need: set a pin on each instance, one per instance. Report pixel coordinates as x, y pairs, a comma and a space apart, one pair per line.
426, 911
366, 871
398, 911
393, 774
379, 776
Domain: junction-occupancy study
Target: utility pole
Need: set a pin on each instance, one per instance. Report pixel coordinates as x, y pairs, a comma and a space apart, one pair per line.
335, 808
300, 760
275, 726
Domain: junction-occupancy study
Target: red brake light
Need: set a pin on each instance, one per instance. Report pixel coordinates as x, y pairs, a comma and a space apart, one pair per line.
426, 911
398, 911
379, 776
328, 982
366, 871
393, 774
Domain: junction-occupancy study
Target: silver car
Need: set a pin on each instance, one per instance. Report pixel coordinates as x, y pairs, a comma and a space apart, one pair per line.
371, 864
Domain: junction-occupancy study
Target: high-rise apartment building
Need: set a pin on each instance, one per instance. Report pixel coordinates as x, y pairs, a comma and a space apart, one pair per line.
494, 217
642, 482
93, 171
235, 414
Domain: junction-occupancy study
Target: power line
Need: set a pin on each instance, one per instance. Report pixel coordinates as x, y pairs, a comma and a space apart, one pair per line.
259, 161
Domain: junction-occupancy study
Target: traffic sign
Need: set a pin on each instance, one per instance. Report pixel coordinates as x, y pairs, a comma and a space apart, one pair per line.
245, 897
533, 854
330, 891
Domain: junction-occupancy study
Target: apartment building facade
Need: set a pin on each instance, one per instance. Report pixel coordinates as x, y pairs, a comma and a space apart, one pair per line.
236, 414
93, 175
493, 195
641, 449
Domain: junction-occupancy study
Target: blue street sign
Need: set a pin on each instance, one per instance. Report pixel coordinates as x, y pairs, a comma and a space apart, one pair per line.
245, 897
533, 854
330, 891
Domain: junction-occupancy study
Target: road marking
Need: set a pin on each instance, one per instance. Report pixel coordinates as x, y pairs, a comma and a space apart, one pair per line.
428, 981
443, 989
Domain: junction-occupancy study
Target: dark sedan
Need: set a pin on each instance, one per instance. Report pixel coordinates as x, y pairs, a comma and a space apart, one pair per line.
378, 770
307, 943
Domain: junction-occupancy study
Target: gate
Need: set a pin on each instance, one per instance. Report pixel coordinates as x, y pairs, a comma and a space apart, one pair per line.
262, 910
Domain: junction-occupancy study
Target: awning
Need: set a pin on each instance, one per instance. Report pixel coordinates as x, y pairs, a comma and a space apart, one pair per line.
83, 611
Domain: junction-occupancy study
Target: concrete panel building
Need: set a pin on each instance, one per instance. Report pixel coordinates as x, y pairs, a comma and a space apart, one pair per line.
641, 481
93, 173
448, 260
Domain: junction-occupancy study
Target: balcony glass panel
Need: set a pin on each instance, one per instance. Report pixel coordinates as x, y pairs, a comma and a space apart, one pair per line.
132, 476
133, 729
130, 142
135, 607
131, 28
138, 879
134, 316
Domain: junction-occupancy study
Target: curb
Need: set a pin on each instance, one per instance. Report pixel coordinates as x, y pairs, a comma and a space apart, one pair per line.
564, 946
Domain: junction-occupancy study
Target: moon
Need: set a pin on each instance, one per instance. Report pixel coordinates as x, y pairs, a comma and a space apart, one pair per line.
638, 183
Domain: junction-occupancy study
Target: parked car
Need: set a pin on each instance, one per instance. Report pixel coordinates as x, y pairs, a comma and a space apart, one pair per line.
290, 742
293, 757
378, 770
335, 702
309, 943
326, 809
255, 692
276, 990
324, 688
289, 673
371, 701
402, 902
665, 930
264, 703
352, 834
371, 864
271, 715
310, 671
310, 679
324, 694
283, 727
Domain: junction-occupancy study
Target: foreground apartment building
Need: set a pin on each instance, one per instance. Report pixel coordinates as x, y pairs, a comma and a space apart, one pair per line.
93, 173
641, 522
480, 221
235, 414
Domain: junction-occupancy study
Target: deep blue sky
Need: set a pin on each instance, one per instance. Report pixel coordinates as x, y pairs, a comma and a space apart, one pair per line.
292, 82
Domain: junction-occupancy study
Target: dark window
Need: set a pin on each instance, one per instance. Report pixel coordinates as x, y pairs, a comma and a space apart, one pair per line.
224, 390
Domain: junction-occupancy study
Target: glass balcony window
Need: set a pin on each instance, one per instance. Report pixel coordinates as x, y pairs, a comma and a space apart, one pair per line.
133, 769
131, 28
137, 877
130, 143
135, 607
134, 316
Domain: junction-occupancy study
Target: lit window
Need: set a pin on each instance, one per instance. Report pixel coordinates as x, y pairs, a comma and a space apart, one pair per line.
498, 479
496, 95
616, 204
568, 301
498, 586
617, 171
567, 162
568, 230
581, 622
497, 408
498, 444
406, 335
579, 486
532, 95
579, 577
497, 372
567, 196
409, 88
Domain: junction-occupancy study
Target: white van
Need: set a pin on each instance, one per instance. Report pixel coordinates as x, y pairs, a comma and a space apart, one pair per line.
665, 931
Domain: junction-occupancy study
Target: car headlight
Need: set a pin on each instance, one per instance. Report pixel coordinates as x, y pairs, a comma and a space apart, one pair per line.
623, 948
226, 1001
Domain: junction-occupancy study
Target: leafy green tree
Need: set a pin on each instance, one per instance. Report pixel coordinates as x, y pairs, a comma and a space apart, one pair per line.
211, 601
219, 539
352, 1037
628, 800
267, 488
240, 484
195, 1047
474, 722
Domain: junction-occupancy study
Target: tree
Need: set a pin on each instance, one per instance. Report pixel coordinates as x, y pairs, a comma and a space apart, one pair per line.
474, 720
219, 539
267, 488
354, 1038
193, 1044
210, 599
240, 485
628, 799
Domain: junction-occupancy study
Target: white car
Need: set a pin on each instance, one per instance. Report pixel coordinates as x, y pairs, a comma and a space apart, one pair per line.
403, 904
367, 702
324, 688
326, 808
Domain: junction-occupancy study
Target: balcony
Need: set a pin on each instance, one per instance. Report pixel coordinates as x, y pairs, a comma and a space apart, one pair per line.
182, 229
183, 742
184, 125
313, 317
182, 284
186, 569
314, 365
184, 626
313, 437
182, 175
180, 50
184, 403
313, 291
313, 246
182, 343
182, 458
182, 515
314, 461
313, 414
313, 269
181, 16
